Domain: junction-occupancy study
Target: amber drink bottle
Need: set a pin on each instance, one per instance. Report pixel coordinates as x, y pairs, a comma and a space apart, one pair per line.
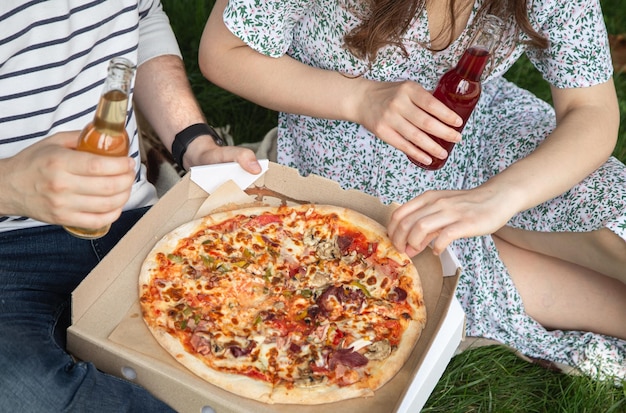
106, 134
460, 88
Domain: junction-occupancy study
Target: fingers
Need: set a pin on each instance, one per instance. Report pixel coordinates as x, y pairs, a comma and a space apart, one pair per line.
414, 226
407, 116
91, 186
429, 104
213, 154
428, 126
84, 164
248, 161
93, 221
435, 218
405, 136
51, 154
51, 182
89, 211
419, 144
86, 174
67, 139
91, 192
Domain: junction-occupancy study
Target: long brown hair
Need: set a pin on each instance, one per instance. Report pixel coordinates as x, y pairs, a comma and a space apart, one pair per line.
388, 20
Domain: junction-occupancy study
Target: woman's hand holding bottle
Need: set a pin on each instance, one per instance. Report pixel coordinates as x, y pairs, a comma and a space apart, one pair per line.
404, 114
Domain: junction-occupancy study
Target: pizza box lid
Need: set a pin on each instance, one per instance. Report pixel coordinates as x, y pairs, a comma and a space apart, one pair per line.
108, 330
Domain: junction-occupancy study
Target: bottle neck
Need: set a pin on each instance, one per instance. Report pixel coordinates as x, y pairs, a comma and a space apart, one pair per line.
119, 76
113, 105
475, 58
473, 63
111, 111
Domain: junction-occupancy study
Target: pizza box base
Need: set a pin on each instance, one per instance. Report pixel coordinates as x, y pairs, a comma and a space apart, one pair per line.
108, 331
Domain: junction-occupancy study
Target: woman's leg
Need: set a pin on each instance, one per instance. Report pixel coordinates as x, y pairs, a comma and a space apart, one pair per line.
564, 295
601, 250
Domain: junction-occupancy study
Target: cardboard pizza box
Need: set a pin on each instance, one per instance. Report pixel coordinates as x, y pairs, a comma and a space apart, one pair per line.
108, 329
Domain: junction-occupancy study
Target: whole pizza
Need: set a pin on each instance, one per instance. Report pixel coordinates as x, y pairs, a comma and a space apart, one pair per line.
303, 304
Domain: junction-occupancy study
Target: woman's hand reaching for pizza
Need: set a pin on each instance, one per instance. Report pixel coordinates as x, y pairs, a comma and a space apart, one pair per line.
403, 114
441, 217
51, 182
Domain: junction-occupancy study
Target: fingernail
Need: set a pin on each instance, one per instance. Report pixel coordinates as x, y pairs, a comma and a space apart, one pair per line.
255, 166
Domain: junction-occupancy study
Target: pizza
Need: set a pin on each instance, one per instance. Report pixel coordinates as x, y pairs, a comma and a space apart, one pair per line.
304, 304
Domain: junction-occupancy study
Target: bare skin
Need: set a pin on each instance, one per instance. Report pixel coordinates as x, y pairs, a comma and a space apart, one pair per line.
399, 113
172, 106
51, 182
601, 250
563, 295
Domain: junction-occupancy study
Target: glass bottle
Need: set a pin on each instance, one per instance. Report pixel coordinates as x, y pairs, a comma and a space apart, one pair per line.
106, 134
460, 88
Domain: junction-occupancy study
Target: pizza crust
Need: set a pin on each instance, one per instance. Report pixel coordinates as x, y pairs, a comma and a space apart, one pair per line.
234, 383
262, 391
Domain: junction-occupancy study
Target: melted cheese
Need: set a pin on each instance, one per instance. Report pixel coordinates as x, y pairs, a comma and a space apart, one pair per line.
258, 288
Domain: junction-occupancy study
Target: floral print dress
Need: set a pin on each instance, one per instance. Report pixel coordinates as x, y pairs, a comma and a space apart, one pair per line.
507, 124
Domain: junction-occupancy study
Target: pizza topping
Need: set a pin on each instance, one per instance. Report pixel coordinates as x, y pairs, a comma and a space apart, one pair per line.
293, 297
239, 352
379, 350
310, 381
361, 287
347, 357
397, 294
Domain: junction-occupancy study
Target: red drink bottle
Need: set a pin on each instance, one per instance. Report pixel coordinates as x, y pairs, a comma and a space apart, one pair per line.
460, 88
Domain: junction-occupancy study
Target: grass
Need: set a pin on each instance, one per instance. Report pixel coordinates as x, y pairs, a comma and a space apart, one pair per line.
493, 379
486, 379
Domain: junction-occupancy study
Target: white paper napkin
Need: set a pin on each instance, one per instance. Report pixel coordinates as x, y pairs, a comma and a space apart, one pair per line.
211, 177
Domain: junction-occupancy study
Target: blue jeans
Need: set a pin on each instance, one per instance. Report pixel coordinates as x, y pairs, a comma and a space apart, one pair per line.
39, 268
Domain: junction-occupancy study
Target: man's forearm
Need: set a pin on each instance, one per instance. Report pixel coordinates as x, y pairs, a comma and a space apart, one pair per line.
164, 97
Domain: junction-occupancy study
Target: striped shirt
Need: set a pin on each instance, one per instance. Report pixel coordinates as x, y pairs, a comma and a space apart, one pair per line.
53, 60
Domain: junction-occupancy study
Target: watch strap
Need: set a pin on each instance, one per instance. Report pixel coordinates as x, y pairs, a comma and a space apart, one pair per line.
183, 139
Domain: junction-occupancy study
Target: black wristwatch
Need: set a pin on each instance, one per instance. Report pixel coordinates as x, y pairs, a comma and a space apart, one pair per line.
183, 139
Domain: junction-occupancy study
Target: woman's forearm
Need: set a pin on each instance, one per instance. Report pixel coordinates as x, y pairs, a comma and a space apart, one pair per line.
586, 133
282, 84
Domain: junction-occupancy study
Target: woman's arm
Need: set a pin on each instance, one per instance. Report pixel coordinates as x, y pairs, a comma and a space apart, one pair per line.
396, 112
282, 84
586, 132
